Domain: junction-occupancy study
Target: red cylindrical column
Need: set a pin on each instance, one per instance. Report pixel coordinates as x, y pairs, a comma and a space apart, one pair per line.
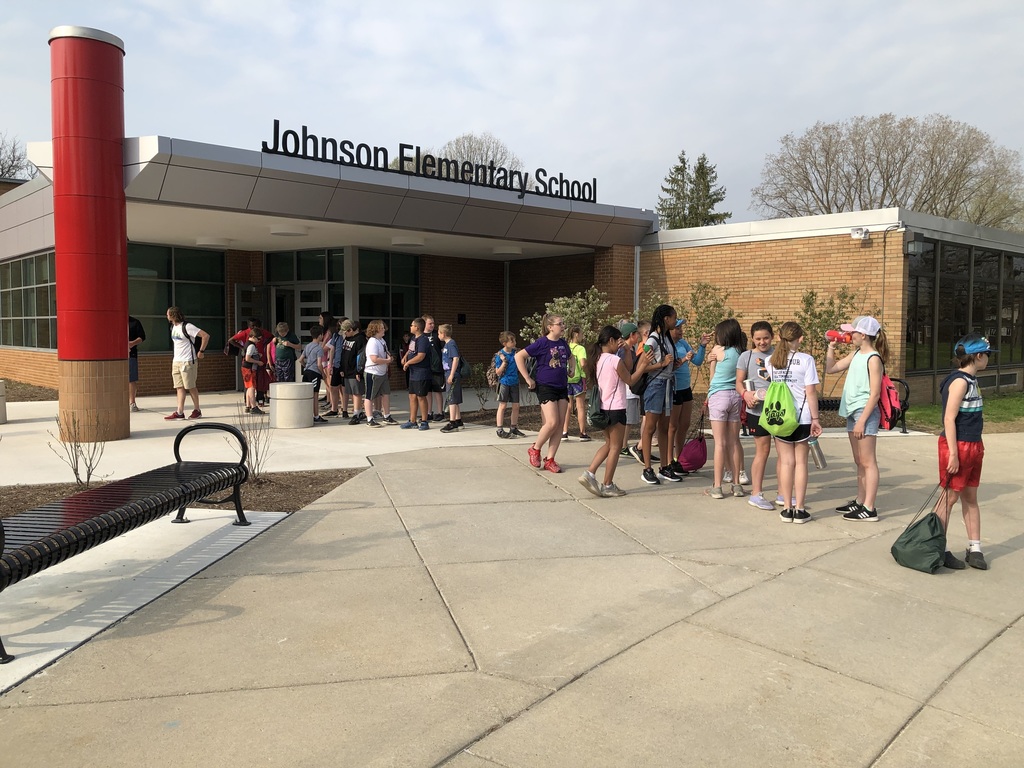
87, 93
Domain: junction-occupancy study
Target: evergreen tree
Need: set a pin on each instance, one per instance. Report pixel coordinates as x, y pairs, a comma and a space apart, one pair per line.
690, 195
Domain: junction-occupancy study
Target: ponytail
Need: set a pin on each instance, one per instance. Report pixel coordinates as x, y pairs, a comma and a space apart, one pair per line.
881, 344
788, 333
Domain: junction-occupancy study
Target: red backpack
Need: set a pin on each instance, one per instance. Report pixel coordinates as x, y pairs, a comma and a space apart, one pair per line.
889, 402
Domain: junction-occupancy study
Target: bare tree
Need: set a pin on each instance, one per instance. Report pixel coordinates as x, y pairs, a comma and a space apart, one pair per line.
13, 162
933, 165
477, 148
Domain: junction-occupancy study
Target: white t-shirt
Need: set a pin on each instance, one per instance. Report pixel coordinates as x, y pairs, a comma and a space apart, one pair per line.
801, 374
377, 348
184, 352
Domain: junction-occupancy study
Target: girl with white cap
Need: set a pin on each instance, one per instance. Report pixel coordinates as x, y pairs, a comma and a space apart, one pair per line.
864, 367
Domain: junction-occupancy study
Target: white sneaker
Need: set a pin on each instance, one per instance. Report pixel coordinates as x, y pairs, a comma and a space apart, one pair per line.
760, 502
744, 479
727, 477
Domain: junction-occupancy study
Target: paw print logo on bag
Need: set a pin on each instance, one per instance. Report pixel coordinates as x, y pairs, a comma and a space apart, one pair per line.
779, 416
775, 413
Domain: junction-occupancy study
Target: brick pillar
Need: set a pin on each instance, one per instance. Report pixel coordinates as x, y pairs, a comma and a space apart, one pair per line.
90, 232
613, 274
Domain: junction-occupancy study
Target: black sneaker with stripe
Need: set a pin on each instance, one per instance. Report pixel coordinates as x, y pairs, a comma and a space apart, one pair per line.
862, 514
849, 506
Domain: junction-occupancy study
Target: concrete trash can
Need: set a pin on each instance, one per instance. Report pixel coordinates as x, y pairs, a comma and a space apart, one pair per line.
291, 405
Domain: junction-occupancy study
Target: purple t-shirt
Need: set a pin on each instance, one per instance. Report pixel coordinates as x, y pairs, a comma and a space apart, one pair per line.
552, 357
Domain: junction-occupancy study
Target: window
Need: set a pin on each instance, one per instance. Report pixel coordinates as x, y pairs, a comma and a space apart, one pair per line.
28, 302
314, 266
389, 291
160, 276
920, 309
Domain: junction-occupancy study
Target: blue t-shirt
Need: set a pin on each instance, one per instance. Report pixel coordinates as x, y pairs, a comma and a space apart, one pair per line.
683, 371
313, 352
510, 378
449, 353
420, 371
725, 372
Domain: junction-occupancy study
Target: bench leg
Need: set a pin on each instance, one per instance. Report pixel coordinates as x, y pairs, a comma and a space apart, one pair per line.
4, 656
181, 517
237, 496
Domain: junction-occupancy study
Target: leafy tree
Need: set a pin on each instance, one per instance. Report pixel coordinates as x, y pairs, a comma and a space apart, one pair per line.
816, 316
587, 310
933, 165
690, 195
14, 163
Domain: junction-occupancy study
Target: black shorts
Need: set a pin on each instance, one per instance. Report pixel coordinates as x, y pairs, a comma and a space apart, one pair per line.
436, 382
617, 416
546, 394
419, 387
682, 396
754, 425
314, 377
336, 378
801, 434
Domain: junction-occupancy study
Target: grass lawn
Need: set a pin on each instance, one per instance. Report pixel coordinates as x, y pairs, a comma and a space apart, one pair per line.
1003, 413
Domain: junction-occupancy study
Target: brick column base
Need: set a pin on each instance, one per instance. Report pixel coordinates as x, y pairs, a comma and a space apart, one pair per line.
93, 400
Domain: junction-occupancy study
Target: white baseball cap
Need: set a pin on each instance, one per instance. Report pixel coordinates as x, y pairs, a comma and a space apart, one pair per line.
862, 324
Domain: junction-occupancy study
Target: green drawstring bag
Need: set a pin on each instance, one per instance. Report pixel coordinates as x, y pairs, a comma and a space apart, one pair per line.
779, 416
922, 545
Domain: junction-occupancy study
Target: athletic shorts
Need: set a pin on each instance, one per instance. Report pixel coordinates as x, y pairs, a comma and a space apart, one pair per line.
546, 394
800, 435
682, 396
658, 397
632, 410
617, 416
453, 391
725, 405
971, 456
336, 378
576, 389
314, 377
754, 425
133, 369
436, 382
508, 393
184, 374
353, 386
248, 378
419, 387
871, 428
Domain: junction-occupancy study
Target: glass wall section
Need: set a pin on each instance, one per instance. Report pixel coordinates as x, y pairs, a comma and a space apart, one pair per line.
389, 290
1011, 325
953, 306
28, 302
319, 266
161, 276
920, 309
985, 293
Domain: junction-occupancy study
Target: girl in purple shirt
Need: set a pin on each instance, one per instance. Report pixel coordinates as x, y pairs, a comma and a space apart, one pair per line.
553, 358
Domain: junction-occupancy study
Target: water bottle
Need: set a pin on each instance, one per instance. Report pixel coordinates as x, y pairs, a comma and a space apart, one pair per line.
839, 337
815, 450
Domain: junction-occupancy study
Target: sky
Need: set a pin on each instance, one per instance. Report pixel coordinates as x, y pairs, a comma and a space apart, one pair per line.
612, 89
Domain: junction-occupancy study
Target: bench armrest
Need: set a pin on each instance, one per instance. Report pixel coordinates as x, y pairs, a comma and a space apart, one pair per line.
243, 444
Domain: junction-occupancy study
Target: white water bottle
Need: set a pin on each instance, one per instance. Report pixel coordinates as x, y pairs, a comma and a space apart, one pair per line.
815, 450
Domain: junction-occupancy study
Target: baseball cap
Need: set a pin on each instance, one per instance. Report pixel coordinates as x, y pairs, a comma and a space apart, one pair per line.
974, 343
862, 324
628, 328
680, 321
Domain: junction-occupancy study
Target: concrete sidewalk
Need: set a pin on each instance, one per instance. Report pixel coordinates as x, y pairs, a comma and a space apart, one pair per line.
457, 607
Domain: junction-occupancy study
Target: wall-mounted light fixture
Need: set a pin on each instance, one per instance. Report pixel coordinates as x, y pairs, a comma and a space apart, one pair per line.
915, 245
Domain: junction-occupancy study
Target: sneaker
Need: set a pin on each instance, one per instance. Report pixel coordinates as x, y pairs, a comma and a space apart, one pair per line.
503, 434
332, 414
377, 415
254, 412
862, 514
552, 466
588, 481
565, 435
248, 409
439, 417
514, 431
612, 490
625, 454
374, 423
737, 491
716, 492
666, 473
534, 456
636, 453
133, 408
786, 515
451, 426
361, 416
676, 467
760, 502
977, 560
744, 478
727, 477
353, 421
408, 425
800, 516
196, 414
584, 437
423, 426
781, 502
951, 561
319, 420
649, 477
344, 414
174, 416
388, 421
849, 506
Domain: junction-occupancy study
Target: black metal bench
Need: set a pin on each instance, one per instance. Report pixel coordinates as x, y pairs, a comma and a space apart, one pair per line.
36, 539
832, 403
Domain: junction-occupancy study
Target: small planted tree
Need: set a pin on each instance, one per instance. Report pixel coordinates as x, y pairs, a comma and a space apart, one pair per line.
816, 316
588, 310
82, 456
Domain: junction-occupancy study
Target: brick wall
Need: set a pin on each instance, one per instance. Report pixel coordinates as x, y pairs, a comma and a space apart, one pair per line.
771, 277
534, 282
613, 275
29, 366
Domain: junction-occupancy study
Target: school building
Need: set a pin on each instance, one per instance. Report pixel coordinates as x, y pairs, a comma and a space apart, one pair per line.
311, 221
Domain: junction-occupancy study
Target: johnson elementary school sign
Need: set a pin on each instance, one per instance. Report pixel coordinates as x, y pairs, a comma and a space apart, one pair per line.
412, 161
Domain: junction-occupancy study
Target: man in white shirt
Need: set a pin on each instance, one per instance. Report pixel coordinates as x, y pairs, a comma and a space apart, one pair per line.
185, 363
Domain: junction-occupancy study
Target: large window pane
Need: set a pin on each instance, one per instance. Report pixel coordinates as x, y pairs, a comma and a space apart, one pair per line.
920, 314
201, 266
404, 301
199, 299
148, 297
986, 265
5, 275
158, 334
336, 265
43, 339
281, 267
43, 274
336, 299
312, 266
373, 301
373, 267
149, 261
405, 269
213, 326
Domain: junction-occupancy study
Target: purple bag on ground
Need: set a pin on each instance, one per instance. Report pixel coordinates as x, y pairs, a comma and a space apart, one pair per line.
695, 450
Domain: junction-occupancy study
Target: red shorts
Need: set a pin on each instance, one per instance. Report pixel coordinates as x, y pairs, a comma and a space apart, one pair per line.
248, 378
971, 456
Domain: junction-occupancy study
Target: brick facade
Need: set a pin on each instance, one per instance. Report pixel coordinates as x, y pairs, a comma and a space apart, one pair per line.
613, 275
534, 282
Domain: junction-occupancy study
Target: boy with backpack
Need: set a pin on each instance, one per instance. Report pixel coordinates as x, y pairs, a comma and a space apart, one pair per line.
506, 373
451, 362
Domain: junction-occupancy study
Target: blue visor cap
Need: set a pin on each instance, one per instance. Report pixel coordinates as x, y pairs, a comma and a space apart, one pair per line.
974, 346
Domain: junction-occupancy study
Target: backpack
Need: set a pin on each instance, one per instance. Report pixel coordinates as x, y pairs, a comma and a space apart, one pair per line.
889, 405
465, 369
779, 416
492, 375
436, 366
596, 417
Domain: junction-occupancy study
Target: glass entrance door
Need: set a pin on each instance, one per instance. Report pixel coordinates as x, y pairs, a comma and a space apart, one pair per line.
300, 306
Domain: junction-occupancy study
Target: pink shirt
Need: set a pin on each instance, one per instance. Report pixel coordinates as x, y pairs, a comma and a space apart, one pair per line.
613, 389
